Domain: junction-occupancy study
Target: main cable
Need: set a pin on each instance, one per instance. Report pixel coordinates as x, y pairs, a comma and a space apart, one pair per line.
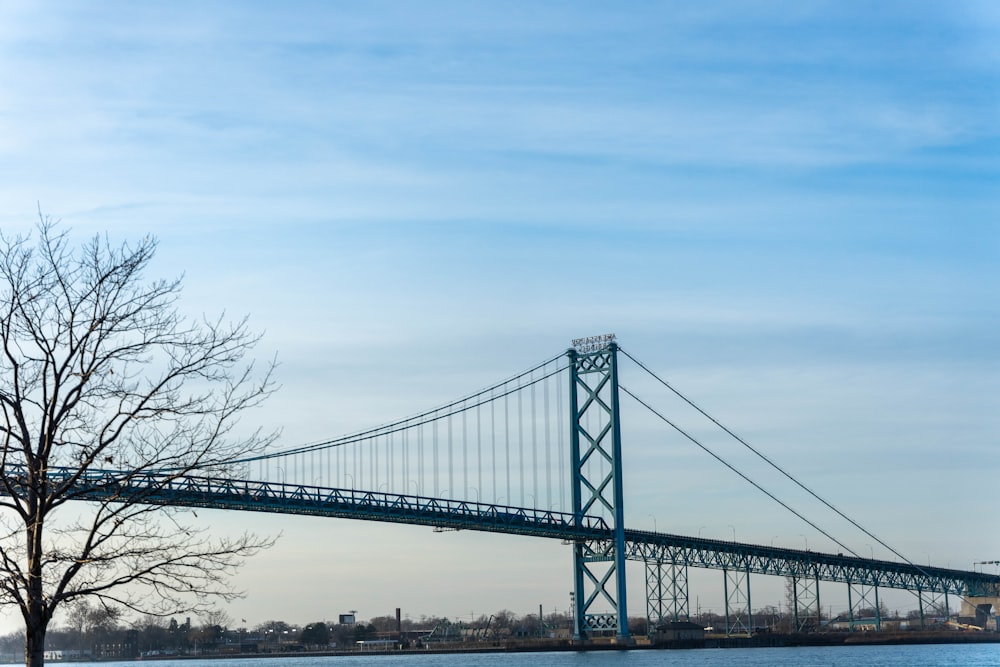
735, 470
423, 417
426, 417
771, 463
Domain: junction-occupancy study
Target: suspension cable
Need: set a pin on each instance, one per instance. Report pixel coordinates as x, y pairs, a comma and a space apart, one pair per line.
453, 408
732, 468
771, 463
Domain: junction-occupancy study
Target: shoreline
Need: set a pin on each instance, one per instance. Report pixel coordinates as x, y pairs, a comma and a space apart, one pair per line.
757, 641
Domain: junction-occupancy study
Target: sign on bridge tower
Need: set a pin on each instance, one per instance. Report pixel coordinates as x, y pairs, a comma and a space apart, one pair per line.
596, 458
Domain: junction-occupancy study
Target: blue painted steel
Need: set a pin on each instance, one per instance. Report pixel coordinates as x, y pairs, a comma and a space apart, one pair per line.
579, 602
667, 593
807, 610
619, 525
776, 561
156, 488
232, 494
595, 439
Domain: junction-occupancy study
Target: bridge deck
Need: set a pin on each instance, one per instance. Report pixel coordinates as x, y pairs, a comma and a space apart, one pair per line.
256, 496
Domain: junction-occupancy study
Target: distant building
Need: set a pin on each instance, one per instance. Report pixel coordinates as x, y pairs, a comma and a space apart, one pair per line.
68, 654
680, 631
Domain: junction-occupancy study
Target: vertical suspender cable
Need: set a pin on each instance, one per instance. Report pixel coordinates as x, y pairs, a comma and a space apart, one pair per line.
506, 434
434, 445
548, 444
560, 443
451, 469
479, 448
534, 448
465, 455
520, 441
493, 443
420, 460
419, 474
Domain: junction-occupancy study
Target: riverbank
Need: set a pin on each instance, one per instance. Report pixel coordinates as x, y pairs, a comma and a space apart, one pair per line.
554, 645
774, 640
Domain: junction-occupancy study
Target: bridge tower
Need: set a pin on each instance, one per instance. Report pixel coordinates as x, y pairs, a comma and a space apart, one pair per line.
596, 458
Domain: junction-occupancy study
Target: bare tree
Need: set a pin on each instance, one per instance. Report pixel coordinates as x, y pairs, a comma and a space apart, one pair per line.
99, 371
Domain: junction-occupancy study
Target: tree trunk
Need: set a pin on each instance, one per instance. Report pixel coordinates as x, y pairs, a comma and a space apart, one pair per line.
34, 641
36, 613
93, 361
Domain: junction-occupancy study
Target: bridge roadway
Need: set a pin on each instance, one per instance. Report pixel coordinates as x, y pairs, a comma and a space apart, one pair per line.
158, 488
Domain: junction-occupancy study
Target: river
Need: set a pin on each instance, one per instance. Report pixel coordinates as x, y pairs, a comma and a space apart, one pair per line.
939, 655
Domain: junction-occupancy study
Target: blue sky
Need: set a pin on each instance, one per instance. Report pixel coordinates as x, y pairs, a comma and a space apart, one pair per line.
790, 209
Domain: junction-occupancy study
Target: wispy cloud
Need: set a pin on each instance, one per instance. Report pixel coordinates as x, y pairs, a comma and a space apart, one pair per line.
792, 197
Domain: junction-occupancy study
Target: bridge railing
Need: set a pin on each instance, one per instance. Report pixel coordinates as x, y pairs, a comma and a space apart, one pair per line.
778, 561
164, 488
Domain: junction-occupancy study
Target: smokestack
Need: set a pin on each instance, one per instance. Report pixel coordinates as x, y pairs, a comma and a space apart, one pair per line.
399, 624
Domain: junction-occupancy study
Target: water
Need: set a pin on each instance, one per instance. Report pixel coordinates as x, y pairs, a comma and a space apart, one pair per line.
941, 655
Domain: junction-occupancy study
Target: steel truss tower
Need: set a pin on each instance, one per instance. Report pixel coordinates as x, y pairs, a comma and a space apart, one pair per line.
862, 598
596, 459
666, 592
934, 604
736, 590
805, 601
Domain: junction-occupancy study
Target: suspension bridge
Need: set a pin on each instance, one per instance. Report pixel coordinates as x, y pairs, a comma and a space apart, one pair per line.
540, 454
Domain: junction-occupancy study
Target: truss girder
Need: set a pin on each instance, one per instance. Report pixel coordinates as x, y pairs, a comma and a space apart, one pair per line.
245, 495
759, 559
736, 587
230, 494
806, 608
862, 599
934, 605
667, 597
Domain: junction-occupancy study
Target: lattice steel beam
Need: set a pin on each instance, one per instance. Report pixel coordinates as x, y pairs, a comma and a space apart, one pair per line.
762, 559
806, 607
156, 488
595, 446
667, 596
739, 614
863, 598
934, 604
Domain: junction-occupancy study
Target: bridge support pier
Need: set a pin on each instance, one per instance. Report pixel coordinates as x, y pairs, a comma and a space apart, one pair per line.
806, 604
739, 616
932, 603
982, 608
596, 458
667, 596
863, 598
